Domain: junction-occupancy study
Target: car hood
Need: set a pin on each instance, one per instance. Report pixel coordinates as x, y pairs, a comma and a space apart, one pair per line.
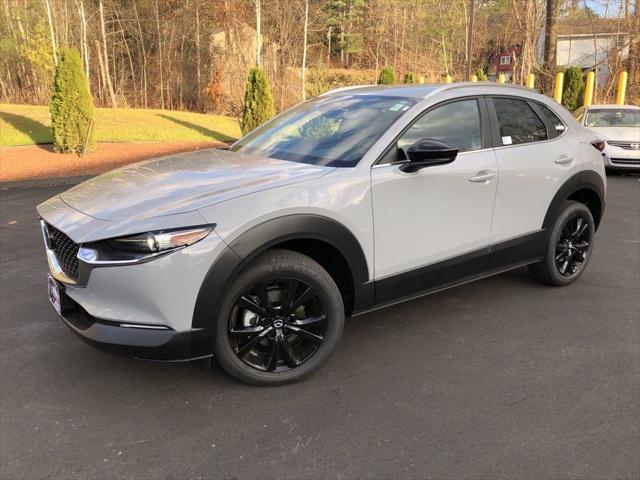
182, 183
628, 134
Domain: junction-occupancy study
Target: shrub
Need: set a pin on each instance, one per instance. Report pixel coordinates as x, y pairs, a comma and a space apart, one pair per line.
572, 88
387, 77
71, 105
482, 77
409, 77
258, 102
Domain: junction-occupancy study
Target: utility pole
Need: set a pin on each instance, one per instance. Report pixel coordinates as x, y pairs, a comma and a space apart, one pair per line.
472, 13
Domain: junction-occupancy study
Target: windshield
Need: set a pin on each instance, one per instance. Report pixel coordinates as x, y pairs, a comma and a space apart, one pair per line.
613, 118
335, 131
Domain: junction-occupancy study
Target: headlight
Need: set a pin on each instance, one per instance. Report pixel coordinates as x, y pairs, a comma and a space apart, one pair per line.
141, 247
159, 241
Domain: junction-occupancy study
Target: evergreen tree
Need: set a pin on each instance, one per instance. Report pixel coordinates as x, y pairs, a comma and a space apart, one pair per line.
409, 77
482, 77
387, 77
572, 88
71, 105
258, 102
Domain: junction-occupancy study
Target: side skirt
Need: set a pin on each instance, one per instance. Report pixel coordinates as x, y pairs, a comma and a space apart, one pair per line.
482, 263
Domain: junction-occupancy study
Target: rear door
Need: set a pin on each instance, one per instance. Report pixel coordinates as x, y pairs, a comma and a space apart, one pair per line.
534, 160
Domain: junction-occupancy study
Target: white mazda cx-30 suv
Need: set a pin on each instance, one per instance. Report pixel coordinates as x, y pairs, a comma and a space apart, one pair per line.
353, 201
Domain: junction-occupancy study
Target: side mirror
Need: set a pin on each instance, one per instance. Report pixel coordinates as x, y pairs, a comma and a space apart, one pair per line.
428, 153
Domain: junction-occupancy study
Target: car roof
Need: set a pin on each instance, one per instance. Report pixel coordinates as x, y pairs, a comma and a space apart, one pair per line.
612, 107
420, 91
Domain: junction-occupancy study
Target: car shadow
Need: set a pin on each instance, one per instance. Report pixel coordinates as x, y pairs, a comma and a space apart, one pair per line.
198, 128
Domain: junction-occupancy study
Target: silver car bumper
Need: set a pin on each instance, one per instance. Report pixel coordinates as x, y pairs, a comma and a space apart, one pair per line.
621, 158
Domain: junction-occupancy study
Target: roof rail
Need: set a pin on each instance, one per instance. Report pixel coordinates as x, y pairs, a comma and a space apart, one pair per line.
343, 89
452, 86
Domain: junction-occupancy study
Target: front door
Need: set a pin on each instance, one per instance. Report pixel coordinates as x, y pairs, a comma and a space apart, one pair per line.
433, 226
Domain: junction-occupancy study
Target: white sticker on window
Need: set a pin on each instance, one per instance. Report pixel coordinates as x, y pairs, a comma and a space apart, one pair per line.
506, 140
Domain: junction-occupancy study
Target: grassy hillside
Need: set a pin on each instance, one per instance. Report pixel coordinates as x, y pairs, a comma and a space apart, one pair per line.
29, 124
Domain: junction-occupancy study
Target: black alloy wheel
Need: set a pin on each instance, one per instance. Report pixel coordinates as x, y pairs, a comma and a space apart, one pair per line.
569, 246
573, 245
277, 324
281, 319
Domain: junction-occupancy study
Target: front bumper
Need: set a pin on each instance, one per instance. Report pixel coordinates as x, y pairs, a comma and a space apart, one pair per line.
141, 310
145, 342
620, 158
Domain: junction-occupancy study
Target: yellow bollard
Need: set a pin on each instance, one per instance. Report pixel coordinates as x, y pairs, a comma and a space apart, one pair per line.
501, 78
448, 79
474, 78
622, 88
531, 80
588, 91
421, 79
557, 91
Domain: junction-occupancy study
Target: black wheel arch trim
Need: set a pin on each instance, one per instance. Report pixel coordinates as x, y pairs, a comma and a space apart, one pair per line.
584, 180
259, 238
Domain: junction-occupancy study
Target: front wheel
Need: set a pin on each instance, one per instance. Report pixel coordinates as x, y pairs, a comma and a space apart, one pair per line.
569, 248
280, 321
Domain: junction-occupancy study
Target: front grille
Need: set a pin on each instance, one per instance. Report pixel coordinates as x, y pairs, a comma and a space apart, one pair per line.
66, 251
625, 145
625, 161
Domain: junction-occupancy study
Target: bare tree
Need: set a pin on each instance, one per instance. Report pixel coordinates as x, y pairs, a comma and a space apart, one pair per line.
550, 43
54, 43
304, 49
107, 74
258, 34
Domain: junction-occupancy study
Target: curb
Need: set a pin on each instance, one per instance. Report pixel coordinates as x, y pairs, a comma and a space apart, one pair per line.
44, 182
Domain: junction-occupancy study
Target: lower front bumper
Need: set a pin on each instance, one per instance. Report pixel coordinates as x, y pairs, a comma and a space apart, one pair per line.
144, 342
621, 159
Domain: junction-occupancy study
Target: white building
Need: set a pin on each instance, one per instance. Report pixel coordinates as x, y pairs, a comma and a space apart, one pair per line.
583, 43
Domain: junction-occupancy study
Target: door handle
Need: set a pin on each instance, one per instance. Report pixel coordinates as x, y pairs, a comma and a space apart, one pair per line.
482, 177
564, 159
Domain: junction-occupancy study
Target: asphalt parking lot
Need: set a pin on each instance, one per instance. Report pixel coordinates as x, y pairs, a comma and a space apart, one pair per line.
502, 378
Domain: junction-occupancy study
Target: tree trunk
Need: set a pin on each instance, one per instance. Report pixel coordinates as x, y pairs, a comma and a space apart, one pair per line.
258, 35
198, 74
304, 49
112, 95
103, 81
84, 47
144, 58
550, 44
633, 62
54, 43
472, 10
160, 55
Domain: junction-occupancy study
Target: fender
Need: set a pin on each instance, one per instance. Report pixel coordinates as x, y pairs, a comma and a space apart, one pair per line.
256, 240
587, 179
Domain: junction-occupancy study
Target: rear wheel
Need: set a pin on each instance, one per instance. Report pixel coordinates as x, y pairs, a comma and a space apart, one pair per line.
569, 248
281, 320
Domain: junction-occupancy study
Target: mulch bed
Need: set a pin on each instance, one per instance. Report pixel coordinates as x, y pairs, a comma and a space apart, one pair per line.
39, 161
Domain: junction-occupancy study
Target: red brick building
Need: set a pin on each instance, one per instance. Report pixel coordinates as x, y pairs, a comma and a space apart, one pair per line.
505, 61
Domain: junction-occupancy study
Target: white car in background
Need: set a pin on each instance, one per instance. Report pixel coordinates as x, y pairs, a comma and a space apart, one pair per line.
619, 126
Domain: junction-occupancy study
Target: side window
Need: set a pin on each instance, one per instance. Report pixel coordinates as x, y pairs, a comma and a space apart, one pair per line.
556, 125
518, 122
456, 123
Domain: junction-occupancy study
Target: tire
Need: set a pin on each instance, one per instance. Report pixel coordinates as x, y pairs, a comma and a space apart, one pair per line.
566, 246
274, 309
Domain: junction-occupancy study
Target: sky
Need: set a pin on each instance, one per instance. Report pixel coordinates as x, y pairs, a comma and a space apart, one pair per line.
609, 8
